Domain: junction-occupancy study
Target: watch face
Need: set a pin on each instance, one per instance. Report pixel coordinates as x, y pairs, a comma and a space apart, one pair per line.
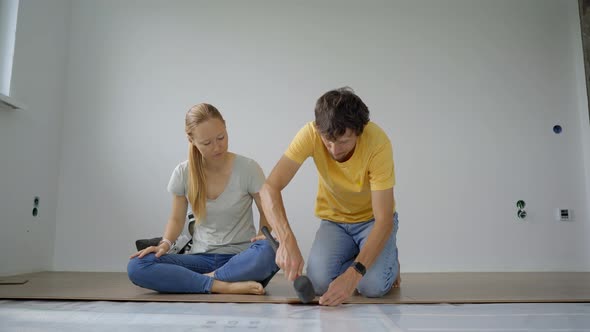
360, 268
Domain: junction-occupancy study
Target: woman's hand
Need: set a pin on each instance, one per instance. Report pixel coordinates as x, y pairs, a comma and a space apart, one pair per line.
160, 250
258, 237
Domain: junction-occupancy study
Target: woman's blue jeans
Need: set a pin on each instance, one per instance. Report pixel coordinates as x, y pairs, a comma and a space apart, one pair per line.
185, 273
335, 248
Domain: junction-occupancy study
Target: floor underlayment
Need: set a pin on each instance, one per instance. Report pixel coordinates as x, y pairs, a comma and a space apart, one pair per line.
65, 316
417, 288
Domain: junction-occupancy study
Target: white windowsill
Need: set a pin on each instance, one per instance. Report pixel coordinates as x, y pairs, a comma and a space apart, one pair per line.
9, 104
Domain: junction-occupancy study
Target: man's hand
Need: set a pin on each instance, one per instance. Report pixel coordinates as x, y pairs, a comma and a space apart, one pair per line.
341, 288
289, 259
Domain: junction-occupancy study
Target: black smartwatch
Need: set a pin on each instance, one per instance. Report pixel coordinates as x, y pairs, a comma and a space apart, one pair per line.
359, 267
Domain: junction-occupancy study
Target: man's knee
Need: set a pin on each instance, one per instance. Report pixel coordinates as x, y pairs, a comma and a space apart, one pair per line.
374, 290
376, 284
319, 276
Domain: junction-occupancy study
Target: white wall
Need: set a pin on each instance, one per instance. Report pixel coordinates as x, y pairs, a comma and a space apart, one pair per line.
467, 90
30, 138
582, 95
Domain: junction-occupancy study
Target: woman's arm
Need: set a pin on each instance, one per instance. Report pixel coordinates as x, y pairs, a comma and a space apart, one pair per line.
177, 218
173, 228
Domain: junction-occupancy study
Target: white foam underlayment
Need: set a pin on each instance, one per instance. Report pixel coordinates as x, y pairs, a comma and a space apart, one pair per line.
66, 316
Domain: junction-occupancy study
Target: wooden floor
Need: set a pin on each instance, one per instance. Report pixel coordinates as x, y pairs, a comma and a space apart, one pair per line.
496, 287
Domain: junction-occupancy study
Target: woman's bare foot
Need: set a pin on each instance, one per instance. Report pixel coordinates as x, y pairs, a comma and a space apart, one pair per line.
240, 287
398, 280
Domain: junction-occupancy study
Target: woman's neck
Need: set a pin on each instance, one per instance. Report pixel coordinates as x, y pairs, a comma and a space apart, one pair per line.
218, 165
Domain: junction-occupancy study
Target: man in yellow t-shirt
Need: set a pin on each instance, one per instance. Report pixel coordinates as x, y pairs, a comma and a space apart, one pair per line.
355, 246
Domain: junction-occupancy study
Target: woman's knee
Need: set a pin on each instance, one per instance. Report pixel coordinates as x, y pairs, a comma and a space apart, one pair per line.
133, 266
136, 266
265, 256
264, 247
265, 250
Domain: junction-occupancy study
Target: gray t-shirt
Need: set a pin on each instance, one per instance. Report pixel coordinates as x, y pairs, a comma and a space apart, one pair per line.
228, 226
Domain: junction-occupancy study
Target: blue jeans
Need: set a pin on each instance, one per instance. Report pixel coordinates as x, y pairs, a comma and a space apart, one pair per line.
335, 248
185, 273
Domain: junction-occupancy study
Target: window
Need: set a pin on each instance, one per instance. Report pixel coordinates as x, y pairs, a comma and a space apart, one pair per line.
8, 16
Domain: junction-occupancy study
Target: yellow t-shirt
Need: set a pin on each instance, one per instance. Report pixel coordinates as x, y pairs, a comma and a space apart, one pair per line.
344, 189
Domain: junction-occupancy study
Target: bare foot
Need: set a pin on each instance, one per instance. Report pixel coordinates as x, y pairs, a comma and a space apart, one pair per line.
210, 274
240, 287
398, 280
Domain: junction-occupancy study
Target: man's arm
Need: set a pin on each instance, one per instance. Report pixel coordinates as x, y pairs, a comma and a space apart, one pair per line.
263, 222
383, 202
342, 287
288, 255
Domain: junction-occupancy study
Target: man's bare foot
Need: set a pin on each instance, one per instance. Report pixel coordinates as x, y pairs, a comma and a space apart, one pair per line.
240, 287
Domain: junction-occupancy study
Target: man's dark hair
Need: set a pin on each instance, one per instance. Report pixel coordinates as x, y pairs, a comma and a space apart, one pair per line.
339, 109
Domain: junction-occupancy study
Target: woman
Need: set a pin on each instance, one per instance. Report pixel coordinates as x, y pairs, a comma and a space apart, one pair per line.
219, 186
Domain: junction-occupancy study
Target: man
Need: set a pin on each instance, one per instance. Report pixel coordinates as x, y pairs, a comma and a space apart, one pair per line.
355, 246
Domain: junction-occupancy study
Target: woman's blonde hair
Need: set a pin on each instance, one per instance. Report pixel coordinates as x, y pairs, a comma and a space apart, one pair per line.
197, 189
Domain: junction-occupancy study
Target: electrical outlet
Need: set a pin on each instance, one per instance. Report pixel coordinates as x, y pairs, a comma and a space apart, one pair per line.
35, 206
563, 215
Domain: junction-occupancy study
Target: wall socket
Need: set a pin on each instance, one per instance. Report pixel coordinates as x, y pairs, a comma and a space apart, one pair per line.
563, 215
35, 206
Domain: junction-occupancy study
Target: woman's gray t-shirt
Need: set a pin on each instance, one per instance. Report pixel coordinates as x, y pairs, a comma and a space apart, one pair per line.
228, 225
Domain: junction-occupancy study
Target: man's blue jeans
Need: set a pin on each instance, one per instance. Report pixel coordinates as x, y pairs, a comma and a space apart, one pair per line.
185, 273
335, 248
